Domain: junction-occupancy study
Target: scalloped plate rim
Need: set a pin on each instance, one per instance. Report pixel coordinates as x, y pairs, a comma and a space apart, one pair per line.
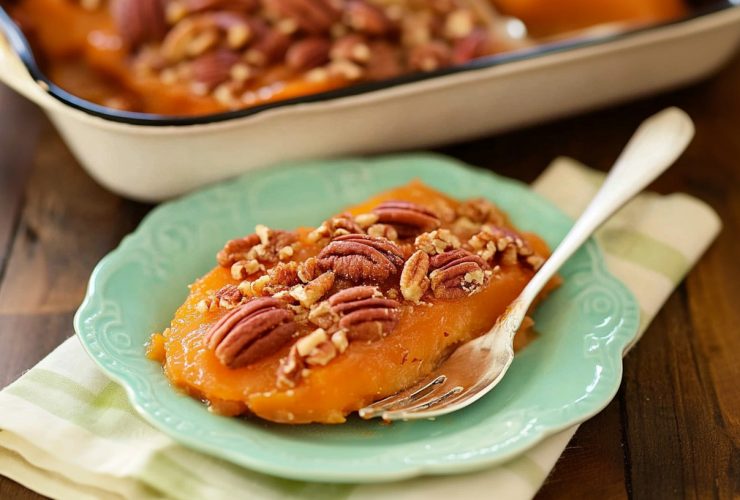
103, 270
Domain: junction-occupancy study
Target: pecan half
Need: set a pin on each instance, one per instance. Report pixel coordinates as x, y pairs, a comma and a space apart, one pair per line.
251, 332
365, 313
308, 53
213, 68
269, 48
409, 219
139, 21
414, 281
358, 257
457, 273
201, 5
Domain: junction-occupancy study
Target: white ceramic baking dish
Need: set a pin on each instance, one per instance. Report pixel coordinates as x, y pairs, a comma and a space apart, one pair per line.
151, 158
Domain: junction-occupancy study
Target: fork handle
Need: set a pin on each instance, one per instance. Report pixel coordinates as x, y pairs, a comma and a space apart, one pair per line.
654, 147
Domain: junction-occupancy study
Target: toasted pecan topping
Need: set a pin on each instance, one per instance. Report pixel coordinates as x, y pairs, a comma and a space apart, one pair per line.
308, 53
322, 316
315, 17
265, 246
409, 219
367, 18
228, 297
505, 245
359, 258
314, 290
364, 312
308, 270
243, 268
236, 250
139, 21
283, 276
457, 273
340, 225
251, 332
437, 242
480, 210
414, 281
383, 231
214, 67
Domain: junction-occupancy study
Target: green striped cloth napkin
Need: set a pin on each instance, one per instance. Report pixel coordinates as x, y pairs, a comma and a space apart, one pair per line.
66, 431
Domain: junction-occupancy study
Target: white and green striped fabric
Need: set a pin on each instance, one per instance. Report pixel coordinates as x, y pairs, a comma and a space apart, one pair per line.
66, 431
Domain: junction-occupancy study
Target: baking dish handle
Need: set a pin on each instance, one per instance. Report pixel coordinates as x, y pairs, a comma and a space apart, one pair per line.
14, 74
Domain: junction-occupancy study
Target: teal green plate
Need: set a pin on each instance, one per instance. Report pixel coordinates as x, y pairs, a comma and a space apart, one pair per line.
564, 377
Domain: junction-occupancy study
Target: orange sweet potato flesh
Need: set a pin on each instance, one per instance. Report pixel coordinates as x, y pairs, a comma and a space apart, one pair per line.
548, 17
365, 372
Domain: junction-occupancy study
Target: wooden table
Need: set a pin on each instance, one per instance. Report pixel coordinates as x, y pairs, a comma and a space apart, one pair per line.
672, 431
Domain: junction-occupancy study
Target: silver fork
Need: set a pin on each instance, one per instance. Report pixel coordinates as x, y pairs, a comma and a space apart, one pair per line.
476, 367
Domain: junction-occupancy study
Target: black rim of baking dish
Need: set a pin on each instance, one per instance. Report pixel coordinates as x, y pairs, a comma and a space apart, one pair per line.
22, 47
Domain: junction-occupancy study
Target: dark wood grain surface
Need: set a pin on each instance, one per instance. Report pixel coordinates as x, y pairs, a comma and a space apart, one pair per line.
672, 431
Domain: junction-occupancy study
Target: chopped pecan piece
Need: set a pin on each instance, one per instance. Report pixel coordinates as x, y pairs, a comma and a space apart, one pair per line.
266, 246
243, 268
414, 281
352, 47
228, 296
322, 316
383, 231
437, 242
481, 210
365, 313
367, 18
385, 61
236, 250
459, 24
312, 292
315, 17
475, 44
308, 270
254, 288
315, 349
336, 226
366, 220
430, 56
409, 219
457, 273
511, 248
251, 332
357, 257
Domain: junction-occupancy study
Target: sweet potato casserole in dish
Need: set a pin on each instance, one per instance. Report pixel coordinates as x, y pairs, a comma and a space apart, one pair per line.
197, 57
